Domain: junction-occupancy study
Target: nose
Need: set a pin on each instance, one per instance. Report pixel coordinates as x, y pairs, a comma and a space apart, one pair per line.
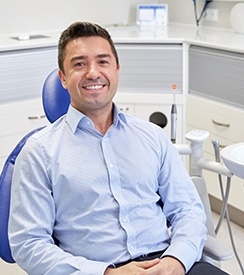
92, 72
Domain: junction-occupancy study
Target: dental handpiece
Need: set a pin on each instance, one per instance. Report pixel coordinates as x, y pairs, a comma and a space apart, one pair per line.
173, 116
173, 123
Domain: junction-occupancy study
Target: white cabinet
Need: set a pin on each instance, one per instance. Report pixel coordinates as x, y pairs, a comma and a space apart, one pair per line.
216, 103
16, 120
22, 73
217, 74
155, 108
148, 72
225, 124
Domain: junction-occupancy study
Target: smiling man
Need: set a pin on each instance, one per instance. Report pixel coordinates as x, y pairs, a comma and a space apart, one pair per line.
90, 73
93, 193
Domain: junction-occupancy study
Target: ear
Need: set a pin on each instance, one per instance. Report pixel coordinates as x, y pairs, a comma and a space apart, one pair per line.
62, 78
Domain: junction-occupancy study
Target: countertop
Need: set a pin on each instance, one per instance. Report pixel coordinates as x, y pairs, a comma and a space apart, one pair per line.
173, 33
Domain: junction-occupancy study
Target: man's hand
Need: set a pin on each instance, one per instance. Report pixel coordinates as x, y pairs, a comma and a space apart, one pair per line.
165, 266
135, 268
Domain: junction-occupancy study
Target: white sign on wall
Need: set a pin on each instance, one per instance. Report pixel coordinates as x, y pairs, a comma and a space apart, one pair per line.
152, 15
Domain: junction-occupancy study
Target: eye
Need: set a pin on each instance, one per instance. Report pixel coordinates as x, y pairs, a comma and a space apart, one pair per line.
79, 64
103, 62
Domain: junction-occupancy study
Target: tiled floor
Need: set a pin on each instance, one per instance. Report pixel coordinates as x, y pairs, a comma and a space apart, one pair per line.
231, 266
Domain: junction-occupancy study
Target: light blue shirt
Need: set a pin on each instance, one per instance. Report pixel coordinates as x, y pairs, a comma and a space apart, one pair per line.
99, 196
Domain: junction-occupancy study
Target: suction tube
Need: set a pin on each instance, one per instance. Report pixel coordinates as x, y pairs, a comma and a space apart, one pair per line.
224, 211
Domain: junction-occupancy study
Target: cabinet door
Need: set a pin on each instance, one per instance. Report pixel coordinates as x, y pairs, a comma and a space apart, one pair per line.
22, 72
217, 74
150, 68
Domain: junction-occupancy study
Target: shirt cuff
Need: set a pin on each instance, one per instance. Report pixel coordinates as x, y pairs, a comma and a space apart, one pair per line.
182, 252
95, 268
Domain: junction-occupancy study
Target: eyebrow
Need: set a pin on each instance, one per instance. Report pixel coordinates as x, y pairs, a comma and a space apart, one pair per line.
82, 57
104, 55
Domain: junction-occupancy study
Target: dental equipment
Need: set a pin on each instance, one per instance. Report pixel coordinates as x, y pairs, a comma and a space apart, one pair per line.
197, 163
224, 211
173, 117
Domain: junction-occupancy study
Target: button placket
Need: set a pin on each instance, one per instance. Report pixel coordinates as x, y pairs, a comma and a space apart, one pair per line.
115, 186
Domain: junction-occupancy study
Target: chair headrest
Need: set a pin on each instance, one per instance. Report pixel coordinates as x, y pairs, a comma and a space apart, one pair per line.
55, 98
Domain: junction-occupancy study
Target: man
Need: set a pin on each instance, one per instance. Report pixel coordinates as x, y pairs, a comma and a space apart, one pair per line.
93, 192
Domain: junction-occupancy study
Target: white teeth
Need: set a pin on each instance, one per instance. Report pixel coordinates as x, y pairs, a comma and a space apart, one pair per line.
94, 87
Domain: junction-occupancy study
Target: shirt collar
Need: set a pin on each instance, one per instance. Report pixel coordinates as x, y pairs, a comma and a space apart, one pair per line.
75, 118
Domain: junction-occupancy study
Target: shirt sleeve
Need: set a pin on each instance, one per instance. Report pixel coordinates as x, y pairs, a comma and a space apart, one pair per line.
31, 220
182, 207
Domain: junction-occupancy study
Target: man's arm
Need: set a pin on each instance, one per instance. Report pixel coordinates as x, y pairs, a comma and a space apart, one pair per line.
183, 209
32, 218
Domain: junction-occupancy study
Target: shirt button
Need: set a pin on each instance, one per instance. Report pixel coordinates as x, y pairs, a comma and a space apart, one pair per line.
124, 220
111, 165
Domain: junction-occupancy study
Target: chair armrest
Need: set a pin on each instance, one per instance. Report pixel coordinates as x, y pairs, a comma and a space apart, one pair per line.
216, 249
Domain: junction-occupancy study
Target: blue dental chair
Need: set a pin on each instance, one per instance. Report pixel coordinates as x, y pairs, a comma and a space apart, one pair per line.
56, 101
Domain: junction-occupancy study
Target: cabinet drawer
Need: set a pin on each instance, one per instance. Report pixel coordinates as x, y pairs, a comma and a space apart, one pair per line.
16, 120
22, 122
221, 121
21, 117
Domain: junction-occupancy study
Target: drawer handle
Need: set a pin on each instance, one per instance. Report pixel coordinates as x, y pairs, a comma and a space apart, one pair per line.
222, 146
124, 109
220, 124
36, 117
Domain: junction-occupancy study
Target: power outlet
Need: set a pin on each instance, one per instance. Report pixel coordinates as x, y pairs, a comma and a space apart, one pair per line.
211, 15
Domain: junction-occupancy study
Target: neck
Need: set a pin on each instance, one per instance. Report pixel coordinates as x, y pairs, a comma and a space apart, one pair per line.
102, 119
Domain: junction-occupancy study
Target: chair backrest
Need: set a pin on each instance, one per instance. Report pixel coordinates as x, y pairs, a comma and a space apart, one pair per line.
5, 187
55, 101
55, 98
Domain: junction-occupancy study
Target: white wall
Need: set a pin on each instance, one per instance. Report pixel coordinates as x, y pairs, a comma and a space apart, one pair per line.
18, 16
37, 15
181, 11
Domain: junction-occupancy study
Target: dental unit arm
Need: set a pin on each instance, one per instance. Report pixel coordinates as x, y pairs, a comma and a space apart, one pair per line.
195, 151
213, 248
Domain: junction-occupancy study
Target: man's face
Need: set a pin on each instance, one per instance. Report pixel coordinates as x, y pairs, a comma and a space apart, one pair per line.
90, 73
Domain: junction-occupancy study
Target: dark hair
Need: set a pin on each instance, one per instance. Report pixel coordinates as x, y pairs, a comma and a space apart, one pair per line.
82, 29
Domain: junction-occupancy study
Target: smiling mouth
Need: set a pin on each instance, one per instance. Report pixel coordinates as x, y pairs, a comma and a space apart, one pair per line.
94, 87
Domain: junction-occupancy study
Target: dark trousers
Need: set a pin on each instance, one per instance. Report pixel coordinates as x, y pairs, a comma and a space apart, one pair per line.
199, 268
203, 268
